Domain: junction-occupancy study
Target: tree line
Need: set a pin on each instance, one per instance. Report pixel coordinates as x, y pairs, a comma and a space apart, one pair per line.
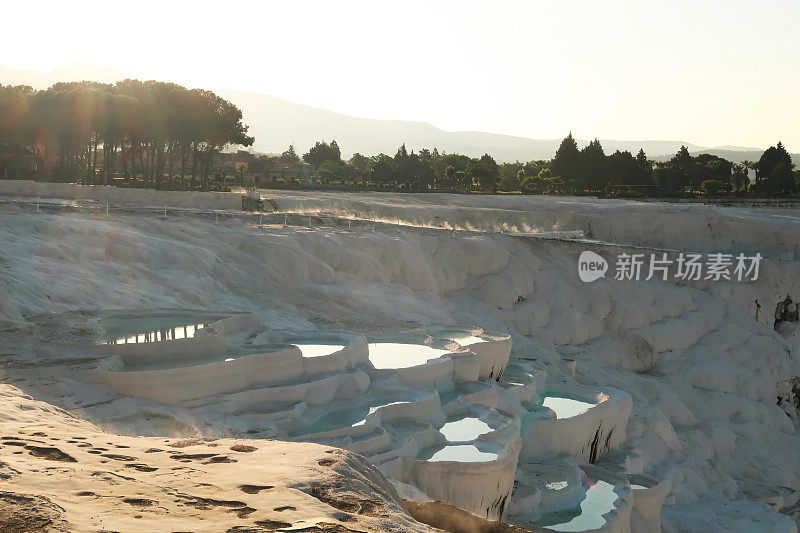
164, 135
590, 169
406, 169
148, 130
571, 170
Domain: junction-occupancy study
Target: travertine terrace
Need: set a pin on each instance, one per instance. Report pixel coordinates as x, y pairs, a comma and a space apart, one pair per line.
392, 360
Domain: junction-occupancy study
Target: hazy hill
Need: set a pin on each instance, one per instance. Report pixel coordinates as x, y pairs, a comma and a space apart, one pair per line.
276, 123
737, 156
72, 72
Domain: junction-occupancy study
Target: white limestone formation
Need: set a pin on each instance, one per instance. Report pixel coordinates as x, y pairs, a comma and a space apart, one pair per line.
691, 386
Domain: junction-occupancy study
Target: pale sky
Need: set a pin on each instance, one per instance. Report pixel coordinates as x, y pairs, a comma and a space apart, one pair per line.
708, 72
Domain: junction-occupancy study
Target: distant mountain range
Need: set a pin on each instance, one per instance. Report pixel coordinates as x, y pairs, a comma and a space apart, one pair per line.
276, 123
737, 155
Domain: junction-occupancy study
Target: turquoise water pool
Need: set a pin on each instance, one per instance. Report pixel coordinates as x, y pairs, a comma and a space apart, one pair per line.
562, 406
465, 429
345, 417
168, 363
156, 328
566, 407
598, 499
462, 453
318, 350
464, 338
391, 355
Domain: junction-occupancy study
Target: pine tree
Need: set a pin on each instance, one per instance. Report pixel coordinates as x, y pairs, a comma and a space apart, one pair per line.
566, 163
644, 174
683, 166
335, 153
594, 167
771, 159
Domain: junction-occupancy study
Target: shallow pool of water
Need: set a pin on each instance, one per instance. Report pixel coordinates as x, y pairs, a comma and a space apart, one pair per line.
388, 355
566, 407
344, 417
372, 410
514, 381
168, 363
598, 500
318, 350
131, 330
557, 485
462, 453
514, 375
465, 429
464, 338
